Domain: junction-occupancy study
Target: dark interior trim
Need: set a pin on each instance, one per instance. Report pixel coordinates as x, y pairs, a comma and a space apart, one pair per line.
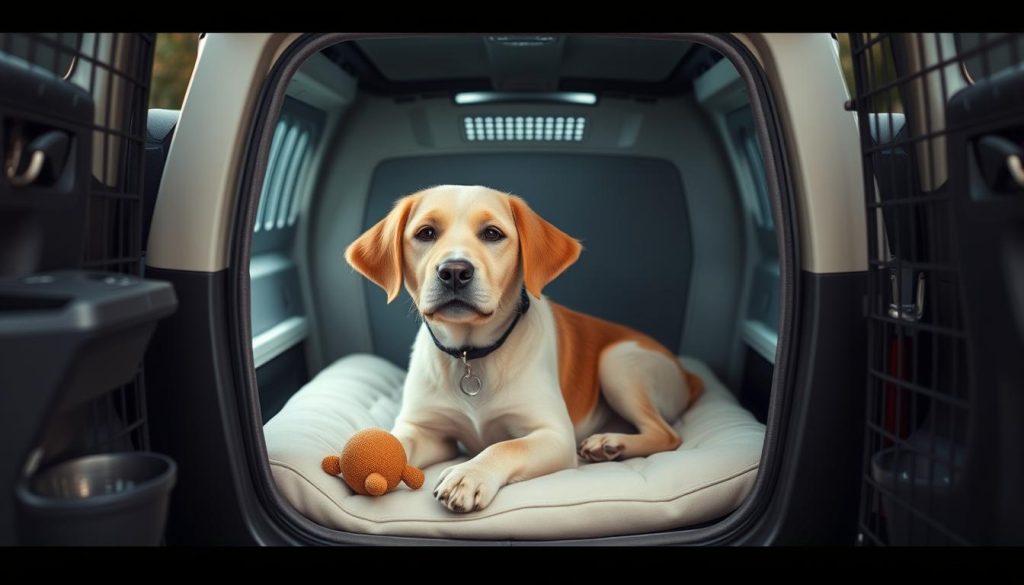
290, 526
352, 59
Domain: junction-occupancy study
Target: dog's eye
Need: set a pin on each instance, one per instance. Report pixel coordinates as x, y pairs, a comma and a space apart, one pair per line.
492, 234
426, 234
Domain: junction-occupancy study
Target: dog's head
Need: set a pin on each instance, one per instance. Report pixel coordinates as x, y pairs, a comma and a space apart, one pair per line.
463, 252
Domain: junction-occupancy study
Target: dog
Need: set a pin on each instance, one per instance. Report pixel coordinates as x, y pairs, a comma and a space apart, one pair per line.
521, 382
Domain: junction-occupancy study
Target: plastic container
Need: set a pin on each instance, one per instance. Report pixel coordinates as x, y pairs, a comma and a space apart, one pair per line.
113, 499
67, 337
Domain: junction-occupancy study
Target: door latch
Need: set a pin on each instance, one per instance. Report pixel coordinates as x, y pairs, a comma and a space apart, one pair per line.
41, 160
907, 311
1002, 163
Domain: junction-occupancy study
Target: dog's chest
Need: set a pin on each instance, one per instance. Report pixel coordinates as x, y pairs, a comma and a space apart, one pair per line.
518, 391
496, 413
478, 419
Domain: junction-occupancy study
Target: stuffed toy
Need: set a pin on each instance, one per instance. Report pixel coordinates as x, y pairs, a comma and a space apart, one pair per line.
372, 463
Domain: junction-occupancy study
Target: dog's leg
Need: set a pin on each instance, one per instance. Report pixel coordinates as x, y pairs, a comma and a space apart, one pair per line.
644, 387
423, 447
472, 485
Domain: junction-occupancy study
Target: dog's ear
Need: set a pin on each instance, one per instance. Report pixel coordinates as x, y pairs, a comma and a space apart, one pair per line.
377, 254
545, 250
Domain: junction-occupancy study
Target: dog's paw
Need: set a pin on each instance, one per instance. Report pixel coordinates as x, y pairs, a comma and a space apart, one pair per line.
602, 447
466, 487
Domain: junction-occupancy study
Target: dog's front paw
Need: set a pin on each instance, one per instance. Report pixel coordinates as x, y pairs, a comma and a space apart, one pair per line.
466, 487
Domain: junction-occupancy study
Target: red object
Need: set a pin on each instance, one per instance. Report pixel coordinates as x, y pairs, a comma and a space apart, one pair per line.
893, 394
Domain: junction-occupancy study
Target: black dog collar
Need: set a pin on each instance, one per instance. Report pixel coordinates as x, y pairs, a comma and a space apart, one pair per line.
468, 352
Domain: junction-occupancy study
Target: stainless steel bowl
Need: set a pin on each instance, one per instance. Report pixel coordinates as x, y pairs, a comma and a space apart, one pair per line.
108, 499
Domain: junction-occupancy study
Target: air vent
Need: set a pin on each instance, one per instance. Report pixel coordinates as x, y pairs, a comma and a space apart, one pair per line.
524, 128
291, 153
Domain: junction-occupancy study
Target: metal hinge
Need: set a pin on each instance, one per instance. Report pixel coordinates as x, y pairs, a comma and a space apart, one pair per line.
907, 307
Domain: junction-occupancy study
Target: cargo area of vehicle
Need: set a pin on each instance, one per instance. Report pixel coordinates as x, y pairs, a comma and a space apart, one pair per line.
645, 150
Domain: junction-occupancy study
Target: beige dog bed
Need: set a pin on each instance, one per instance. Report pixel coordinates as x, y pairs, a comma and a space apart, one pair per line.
705, 478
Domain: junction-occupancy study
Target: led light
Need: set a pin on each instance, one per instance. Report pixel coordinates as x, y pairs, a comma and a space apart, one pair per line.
523, 128
581, 98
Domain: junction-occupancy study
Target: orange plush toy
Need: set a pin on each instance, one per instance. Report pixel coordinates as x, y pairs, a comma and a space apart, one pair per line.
373, 463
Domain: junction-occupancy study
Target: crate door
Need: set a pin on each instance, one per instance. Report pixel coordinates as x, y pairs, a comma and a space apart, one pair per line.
73, 123
942, 131
72, 137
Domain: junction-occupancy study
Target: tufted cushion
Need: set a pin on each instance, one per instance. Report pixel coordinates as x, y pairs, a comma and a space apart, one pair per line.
705, 478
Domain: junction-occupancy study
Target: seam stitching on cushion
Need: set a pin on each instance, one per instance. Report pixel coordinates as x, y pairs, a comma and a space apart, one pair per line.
533, 507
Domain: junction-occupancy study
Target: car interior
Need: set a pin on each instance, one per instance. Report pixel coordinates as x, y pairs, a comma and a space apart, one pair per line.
829, 240
645, 150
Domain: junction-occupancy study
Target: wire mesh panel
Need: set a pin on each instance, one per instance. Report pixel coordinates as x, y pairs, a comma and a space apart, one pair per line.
921, 400
113, 69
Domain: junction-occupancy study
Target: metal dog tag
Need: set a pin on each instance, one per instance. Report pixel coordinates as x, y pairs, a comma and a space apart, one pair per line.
470, 384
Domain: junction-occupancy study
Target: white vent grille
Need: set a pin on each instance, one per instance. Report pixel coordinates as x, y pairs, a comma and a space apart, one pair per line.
524, 128
291, 151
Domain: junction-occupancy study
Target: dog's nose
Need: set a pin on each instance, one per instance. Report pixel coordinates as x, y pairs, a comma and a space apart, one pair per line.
455, 274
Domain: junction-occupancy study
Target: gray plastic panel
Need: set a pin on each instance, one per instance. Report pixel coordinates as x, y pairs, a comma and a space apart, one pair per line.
66, 337
629, 212
275, 291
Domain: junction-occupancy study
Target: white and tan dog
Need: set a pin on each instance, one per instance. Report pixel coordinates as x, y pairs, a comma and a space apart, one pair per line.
550, 377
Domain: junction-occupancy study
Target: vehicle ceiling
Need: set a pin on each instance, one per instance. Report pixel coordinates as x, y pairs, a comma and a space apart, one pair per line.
523, 63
